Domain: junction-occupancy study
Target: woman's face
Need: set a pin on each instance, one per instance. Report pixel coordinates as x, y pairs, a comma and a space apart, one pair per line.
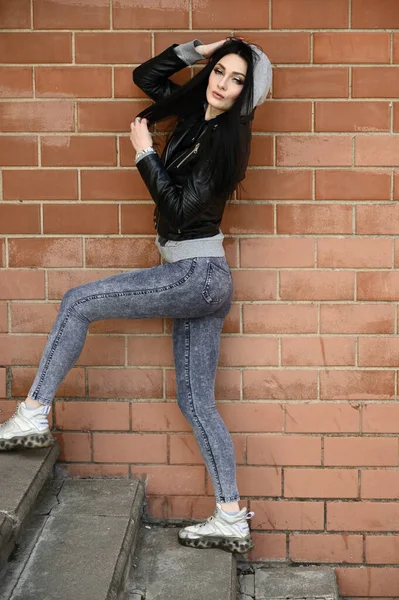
226, 82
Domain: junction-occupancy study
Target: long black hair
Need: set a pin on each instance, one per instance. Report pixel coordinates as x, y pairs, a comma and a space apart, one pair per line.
227, 149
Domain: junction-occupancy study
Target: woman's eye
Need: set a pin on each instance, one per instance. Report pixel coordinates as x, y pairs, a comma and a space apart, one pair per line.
218, 72
238, 81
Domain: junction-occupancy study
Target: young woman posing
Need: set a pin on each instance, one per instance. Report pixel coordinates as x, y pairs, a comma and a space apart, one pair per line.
198, 171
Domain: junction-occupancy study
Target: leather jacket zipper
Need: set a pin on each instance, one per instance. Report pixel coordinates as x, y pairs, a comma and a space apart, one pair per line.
193, 151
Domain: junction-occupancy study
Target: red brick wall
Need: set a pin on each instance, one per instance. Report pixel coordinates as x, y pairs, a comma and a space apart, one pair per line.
308, 373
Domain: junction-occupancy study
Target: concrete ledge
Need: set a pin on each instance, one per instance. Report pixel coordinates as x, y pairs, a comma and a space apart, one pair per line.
296, 583
22, 476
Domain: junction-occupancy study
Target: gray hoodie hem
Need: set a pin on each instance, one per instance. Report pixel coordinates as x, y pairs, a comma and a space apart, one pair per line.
188, 53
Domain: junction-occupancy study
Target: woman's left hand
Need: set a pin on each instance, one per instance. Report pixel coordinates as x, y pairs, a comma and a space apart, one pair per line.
139, 134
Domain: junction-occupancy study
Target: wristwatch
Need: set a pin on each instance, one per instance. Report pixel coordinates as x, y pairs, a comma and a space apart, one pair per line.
142, 153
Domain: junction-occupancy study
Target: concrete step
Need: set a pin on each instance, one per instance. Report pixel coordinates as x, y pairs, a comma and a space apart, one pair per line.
22, 476
289, 583
79, 543
164, 570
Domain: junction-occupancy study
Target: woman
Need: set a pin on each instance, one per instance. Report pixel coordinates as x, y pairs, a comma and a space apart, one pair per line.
198, 171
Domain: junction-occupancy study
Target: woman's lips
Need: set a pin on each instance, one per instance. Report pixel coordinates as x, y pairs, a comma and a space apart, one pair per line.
218, 96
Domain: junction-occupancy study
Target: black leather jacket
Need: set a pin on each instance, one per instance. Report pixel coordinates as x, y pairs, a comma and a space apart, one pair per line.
185, 208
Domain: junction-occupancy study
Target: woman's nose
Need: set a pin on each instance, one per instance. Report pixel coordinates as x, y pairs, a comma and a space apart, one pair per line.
222, 84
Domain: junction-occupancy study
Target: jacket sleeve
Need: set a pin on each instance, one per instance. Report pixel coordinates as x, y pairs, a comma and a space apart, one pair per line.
179, 205
153, 75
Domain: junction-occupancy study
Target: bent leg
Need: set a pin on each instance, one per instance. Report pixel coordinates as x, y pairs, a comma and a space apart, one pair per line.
196, 346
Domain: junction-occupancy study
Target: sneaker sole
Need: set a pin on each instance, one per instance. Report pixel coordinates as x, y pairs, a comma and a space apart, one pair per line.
35, 440
240, 546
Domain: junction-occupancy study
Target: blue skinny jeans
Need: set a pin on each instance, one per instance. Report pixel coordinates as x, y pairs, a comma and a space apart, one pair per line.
196, 293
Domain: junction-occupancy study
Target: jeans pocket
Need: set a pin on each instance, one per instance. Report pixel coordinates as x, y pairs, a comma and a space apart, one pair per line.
217, 284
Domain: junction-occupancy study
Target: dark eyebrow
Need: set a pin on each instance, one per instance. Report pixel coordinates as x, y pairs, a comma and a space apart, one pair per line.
234, 72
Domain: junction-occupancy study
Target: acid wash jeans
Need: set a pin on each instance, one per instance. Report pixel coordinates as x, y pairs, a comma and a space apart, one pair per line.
196, 293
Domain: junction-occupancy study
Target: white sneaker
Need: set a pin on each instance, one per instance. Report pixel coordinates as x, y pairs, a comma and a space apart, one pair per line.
27, 428
229, 532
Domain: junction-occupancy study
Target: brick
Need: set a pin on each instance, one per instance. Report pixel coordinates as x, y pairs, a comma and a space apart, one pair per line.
287, 515
95, 471
277, 185
357, 451
276, 252
282, 318
59, 151
353, 185
20, 350
318, 351
80, 219
40, 185
124, 86
120, 253
166, 507
252, 417
127, 326
2, 384
32, 317
2, 253
382, 549
254, 285
366, 15
7, 409
164, 39
37, 116
377, 220
129, 447
283, 450
262, 151
311, 82
125, 383
113, 185
356, 385
230, 14
36, 47
112, 47
375, 82
320, 483
171, 14
376, 151
378, 286
45, 252
99, 351
242, 219
282, 47
357, 318
72, 386
69, 82
151, 351
18, 151
380, 418
313, 219
381, 352
232, 323
284, 116
137, 219
21, 284
60, 282
268, 546
322, 418
362, 516
227, 385
74, 447
318, 285
172, 479
55, 14
16, 82
377, 483
395, 48
16, 15
365, 253
158, 416
3, 317
295, 151
368, 582
352, 116
350, 47
309, 14
108, 116
326, 548
248, 351
280, 385
259, 481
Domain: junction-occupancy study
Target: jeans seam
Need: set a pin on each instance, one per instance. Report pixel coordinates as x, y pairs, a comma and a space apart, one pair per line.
103, 295
187, 364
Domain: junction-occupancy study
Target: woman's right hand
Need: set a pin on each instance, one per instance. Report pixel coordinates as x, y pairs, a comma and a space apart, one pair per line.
208, 49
